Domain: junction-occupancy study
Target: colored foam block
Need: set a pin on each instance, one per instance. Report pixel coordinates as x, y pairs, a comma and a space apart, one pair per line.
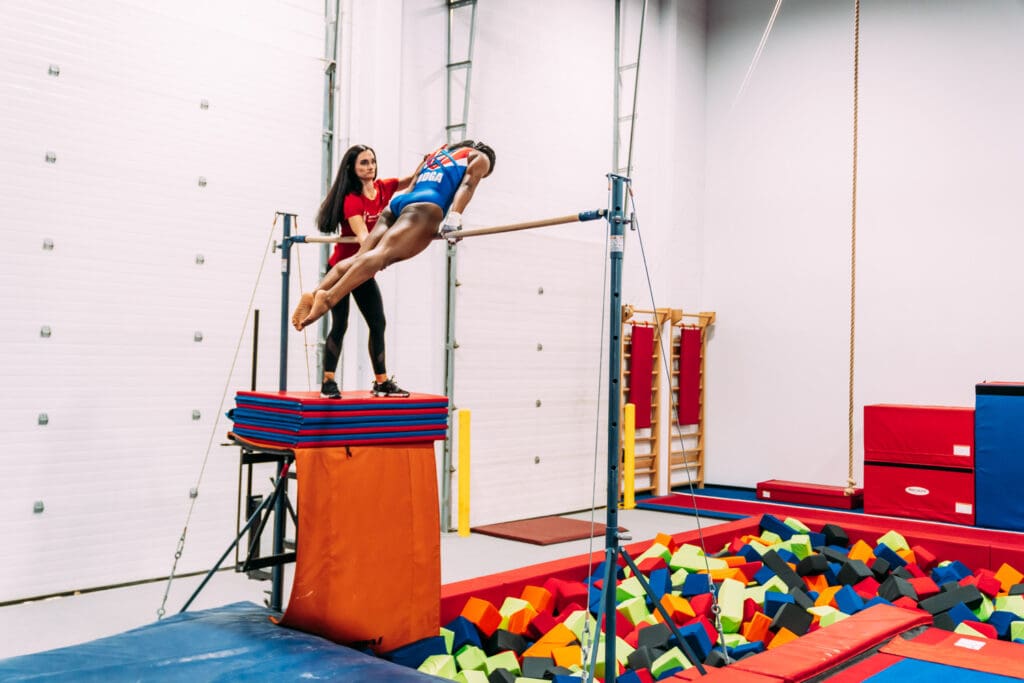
894, 588
847, 600
413, 654
1010, 603
673, 659
502, 641
519, 622
861, 551
774, 601
634, 610
853, 572
969, 595
832, 617
774, 525
757, 628
567, 655
636, 676
643, 657
540, 598
782, 570
470, 677
502, 660
1001, 621
439, 665
782, 637
471, 658
1008, 576
482, 614
835, 535
463, 633
696, 584
678, 608
730, 602
535, 667
793, 618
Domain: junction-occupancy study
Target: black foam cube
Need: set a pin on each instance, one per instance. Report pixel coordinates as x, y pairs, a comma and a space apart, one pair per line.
812, 565
792, 617
774, 561
835, 535
895, 587
502, 640
853, 572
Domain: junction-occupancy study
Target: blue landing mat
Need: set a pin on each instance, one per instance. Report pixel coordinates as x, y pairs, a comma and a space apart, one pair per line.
914, 671
231, 643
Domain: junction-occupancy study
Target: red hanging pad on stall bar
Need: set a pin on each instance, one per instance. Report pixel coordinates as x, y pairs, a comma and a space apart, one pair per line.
641, 352
689, 375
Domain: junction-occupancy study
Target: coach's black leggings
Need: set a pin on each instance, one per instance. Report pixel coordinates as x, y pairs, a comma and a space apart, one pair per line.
371, 305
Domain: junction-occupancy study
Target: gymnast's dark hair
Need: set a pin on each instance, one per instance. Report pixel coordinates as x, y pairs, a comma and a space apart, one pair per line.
480, 147
330, 215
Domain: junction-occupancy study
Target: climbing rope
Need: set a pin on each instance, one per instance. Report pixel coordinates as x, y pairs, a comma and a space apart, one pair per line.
851, 481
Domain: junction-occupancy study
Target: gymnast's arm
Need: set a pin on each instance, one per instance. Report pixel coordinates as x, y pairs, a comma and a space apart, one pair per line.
477, 169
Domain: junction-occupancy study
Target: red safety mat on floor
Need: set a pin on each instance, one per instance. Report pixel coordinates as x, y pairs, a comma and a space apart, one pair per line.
689, 376
641, 361
368, 560
544, 530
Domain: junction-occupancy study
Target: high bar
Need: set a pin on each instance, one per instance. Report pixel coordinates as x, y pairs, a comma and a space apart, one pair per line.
571, 218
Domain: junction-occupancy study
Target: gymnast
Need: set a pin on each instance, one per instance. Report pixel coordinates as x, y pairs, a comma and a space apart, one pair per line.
444, 185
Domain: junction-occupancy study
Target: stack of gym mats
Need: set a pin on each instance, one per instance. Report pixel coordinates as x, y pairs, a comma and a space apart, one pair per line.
301, 419
919, 462
999, 457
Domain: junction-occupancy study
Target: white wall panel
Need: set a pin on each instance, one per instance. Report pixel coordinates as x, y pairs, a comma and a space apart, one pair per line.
120, 375
937, 229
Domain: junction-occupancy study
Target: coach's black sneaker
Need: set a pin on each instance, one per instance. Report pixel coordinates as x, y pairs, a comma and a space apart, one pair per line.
389, 388
329, 389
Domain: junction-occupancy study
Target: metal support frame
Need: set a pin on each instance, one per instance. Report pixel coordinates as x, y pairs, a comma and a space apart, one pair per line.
616, 238
455, 130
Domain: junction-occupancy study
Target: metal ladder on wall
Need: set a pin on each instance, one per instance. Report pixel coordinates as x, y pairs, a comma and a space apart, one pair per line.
461, 37
626, 78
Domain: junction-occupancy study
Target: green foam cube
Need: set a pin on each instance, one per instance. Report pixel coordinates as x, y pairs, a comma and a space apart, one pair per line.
672, 659
730, 601
471, 677
634, 609
796, 525
832, 617
894, 540
439, 665
628, 588
470, 657
503, 660
449, 639
1011, 603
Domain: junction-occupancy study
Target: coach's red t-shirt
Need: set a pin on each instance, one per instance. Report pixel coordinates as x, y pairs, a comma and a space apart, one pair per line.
369, 209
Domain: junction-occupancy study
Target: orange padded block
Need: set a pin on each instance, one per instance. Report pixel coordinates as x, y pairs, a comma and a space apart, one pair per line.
483, 614
757, 627
719, 575
678, 608
863, 552
540, 598
519, 622
782, 636
368, 566
1008, 576
667, 541
568, 656
827, 597
817, 583
907, 555
559, 635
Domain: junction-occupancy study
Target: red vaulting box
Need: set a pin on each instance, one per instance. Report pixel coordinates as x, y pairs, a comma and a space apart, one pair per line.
919, 435
919, 462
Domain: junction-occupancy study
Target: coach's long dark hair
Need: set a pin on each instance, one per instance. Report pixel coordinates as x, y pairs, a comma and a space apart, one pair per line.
329, 217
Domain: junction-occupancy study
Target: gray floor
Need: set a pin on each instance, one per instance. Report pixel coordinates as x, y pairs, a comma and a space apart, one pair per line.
58, 622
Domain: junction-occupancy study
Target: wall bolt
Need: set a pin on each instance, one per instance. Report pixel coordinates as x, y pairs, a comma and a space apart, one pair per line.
47, 244
200, 259
43, 419
204, 104
198, 336
54, 70
45, 332
196, 415
51, 157
193, 492
38, 507
202, 181
538, 403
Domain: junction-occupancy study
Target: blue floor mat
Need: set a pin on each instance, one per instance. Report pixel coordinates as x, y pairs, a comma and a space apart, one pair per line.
231, 643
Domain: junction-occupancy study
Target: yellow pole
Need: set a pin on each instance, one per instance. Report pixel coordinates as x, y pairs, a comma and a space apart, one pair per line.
629, 464
463, 473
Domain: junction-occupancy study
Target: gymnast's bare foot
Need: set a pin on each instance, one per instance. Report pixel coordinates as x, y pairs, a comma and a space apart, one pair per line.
302, 310
320, 306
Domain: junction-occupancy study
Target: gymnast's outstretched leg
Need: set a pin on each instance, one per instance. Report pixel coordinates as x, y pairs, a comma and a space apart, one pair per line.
332, 276
412, 232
